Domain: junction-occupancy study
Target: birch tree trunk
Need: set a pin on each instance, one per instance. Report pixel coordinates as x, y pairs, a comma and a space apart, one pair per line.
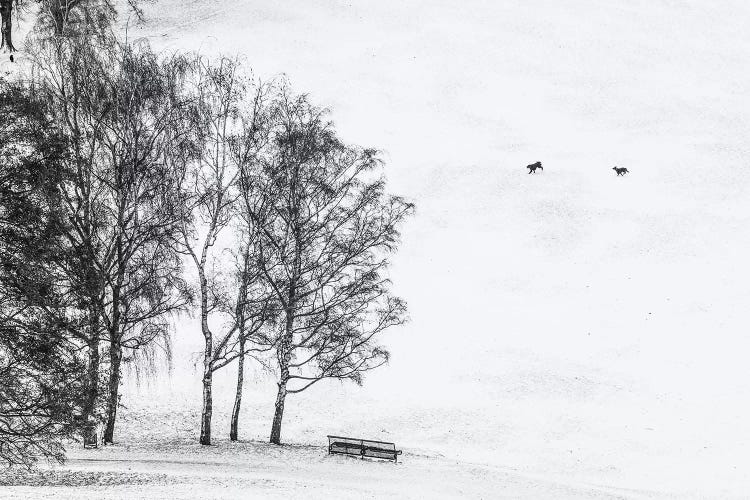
115, 359
6, 25
92, 373
238, 395
115, 353
279, 412
285, 353
58, 17
115, 348
207, 408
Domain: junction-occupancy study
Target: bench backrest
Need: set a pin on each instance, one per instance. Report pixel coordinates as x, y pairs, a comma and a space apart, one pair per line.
378, 449
345, 445
363, 447
361, 442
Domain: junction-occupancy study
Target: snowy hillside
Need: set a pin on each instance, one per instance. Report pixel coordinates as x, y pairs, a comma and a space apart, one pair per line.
570, 328
571, 322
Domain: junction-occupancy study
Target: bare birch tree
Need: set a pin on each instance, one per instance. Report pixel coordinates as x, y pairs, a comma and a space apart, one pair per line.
143, 270
325, 230
257, 309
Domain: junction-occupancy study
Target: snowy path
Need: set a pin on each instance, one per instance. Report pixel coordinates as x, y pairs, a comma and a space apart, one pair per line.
255, 470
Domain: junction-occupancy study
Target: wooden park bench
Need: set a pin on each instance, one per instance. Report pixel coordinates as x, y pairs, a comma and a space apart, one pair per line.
362, 448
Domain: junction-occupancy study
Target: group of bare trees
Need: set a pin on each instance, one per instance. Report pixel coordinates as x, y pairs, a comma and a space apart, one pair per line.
113, 277
308, 225
135, 187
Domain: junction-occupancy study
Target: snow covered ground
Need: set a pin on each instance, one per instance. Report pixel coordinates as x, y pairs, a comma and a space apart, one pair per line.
158, 457
251, 470
181, 470
573, 334
516, 446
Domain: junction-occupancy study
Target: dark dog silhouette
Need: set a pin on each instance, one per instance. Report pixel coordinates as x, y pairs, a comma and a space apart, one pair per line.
620, 171
532, 168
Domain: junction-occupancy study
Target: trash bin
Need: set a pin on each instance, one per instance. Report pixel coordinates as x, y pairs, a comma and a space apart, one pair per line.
90, 435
